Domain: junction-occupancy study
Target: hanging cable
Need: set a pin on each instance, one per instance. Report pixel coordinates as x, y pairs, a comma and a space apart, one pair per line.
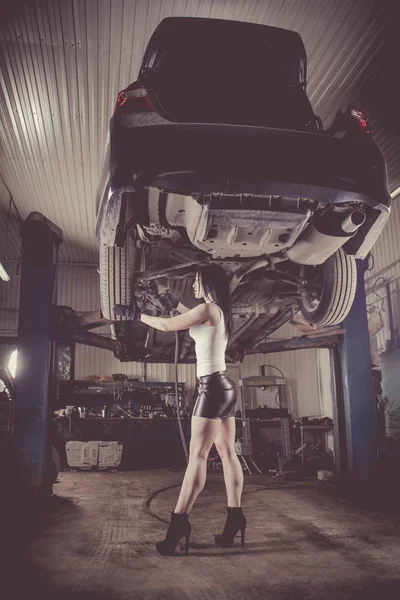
277, 393
375, 285
273, 367
177, 397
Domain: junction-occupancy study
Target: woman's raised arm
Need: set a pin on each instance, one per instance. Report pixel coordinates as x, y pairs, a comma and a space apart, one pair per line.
194, 316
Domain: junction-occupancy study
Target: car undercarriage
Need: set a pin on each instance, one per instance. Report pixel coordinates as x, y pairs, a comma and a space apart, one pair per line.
266, 292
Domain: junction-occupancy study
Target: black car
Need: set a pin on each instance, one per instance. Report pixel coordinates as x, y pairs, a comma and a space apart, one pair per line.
215, 154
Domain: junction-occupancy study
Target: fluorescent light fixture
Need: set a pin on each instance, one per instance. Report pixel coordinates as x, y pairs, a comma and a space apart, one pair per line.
3, 273
12, 364
395, 193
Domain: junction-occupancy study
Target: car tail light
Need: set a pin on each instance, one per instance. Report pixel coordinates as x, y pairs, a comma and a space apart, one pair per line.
360, 120
135, 99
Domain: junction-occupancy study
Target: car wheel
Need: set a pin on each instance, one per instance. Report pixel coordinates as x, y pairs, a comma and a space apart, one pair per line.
328, 299
116, 276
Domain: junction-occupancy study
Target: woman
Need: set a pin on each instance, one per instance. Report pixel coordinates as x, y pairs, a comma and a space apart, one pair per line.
213, 421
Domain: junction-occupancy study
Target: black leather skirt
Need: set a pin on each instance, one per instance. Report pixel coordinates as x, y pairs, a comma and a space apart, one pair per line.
216, 396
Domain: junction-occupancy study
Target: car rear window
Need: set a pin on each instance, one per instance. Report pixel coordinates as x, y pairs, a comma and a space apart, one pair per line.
224, 71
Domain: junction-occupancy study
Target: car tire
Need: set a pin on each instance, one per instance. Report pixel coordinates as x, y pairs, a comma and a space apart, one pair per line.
339, 274
116, 277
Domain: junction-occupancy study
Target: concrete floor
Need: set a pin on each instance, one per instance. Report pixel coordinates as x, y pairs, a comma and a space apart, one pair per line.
96, 541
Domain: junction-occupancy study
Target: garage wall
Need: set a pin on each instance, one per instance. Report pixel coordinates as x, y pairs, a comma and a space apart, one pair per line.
95, 361
9, 301
383, 282
78, 287
301, 368
383, 300
10, 250
307, 372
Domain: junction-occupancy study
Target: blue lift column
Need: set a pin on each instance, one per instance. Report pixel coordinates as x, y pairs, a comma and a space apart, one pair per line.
40, 242
358, 397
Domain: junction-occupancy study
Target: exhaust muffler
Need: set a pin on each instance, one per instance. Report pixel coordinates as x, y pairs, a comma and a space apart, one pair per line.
323, 238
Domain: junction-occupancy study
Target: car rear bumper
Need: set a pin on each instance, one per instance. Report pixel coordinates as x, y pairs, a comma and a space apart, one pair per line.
205, 158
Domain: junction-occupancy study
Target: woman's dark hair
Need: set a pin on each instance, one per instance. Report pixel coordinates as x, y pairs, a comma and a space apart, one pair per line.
215, 283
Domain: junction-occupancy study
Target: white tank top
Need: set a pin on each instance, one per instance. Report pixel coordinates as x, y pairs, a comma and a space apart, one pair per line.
210, 346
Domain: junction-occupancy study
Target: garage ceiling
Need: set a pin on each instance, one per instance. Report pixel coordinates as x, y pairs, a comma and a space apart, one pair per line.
63, 62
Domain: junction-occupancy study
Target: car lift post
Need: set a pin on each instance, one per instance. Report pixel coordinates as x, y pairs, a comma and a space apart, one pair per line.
40, 242
358, 397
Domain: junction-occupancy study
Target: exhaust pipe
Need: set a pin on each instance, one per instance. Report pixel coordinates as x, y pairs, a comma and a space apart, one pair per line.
247, 268
353, 221
314, 247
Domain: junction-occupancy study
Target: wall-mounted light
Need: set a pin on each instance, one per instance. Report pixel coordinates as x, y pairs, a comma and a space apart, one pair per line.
12, 364
395, 193
3, 273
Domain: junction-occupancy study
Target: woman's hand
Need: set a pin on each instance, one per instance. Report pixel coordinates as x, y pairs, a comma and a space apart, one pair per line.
168, 301
131, 312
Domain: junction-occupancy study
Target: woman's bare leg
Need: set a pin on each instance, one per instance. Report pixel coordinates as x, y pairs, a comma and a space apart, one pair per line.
204, 432
233, 472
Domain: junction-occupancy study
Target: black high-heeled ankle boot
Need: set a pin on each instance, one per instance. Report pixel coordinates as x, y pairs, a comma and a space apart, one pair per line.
235, 521
178, 528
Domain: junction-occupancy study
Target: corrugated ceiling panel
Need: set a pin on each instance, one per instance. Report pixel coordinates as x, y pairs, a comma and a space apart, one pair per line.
64, 61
